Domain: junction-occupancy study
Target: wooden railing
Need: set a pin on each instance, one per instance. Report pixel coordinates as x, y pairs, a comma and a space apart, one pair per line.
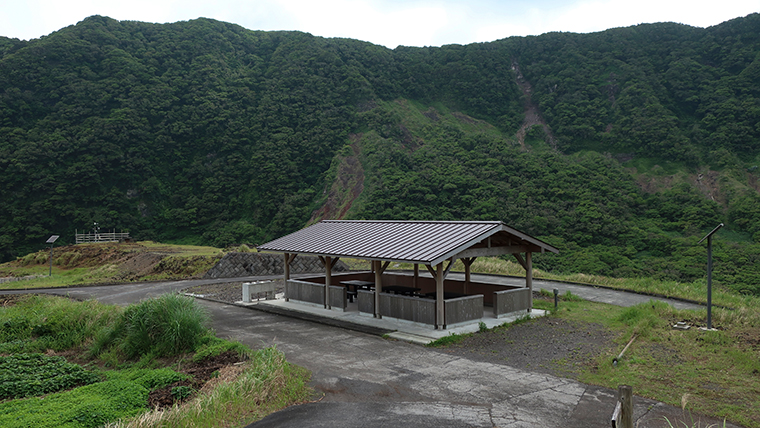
83, 238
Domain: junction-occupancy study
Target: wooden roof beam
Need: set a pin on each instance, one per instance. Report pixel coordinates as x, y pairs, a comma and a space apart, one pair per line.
493, 251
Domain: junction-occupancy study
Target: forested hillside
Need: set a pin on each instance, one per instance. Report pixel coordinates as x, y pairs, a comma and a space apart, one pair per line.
622, 148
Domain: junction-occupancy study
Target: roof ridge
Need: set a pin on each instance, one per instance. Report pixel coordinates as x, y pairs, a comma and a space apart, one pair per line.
416, 221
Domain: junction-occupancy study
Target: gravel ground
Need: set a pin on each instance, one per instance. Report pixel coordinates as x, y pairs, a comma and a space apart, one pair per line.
548, 345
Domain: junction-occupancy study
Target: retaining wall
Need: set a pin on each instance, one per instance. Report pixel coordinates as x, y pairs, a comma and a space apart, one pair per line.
235, 265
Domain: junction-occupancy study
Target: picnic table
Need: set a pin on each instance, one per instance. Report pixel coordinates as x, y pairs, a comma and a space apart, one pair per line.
356, 284
400, 289
446, 295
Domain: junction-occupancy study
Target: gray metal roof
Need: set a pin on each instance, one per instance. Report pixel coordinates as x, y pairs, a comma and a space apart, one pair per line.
424, 242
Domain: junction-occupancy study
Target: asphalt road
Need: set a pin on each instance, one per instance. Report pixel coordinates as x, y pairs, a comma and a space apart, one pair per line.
368, 381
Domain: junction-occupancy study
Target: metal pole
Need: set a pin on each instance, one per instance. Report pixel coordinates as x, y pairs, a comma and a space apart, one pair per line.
709, 273
709, 282
51, 260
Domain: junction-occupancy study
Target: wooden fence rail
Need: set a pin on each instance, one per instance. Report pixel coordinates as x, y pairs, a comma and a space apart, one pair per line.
83, 238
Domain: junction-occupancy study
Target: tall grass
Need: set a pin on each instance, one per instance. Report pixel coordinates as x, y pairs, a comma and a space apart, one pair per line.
266, 384
39, 323
163, 326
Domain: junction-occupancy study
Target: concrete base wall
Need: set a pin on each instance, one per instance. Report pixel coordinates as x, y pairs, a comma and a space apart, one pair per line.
463, 309
504, 302
337, 297
235, 265
409, 308
366, 301
305, 292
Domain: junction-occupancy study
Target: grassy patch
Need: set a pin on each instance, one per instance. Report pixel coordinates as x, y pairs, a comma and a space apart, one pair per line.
266, 384
41, 323
167, 325
451, 339
717, 372
108, 263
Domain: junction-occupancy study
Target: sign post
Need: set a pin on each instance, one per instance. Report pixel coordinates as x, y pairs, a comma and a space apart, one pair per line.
709, 273
50, 241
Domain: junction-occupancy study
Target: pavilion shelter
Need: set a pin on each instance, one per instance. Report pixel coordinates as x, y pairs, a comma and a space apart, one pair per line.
432, 244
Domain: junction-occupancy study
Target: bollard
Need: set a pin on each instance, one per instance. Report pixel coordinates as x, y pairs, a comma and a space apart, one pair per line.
622, 417
556, 293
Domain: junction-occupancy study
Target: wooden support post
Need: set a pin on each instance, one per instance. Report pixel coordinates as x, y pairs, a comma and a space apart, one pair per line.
440, 318
467, 264
416, 274
328, 280
378, 285
529, 277
287, 274
520, 260
622, 417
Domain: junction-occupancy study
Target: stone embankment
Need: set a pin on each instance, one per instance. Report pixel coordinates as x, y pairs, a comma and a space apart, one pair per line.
236, 265
18, 278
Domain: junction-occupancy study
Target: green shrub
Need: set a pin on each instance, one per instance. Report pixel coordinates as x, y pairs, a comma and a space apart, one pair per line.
26, 375
164, 326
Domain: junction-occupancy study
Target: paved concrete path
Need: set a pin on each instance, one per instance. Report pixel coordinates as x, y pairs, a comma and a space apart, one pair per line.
368, 381
595, 294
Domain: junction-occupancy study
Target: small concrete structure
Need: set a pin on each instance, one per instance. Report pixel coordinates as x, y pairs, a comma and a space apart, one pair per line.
258, 287
436, 245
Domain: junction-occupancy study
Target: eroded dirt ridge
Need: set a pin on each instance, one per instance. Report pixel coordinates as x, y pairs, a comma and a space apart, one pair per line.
347, 186
532, 115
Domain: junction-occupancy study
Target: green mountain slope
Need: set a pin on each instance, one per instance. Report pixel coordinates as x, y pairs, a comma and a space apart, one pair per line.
622, 147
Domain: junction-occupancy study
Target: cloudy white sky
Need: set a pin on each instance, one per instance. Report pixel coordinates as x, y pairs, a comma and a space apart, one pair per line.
384, 22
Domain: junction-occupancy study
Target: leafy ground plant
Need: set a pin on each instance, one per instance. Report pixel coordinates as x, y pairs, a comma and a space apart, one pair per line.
26, 375
87, 406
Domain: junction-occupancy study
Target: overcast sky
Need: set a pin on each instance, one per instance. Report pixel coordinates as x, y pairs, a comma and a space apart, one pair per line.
384, 22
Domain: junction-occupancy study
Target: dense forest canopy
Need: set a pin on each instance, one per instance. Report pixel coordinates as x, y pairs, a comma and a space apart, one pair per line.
621, 147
